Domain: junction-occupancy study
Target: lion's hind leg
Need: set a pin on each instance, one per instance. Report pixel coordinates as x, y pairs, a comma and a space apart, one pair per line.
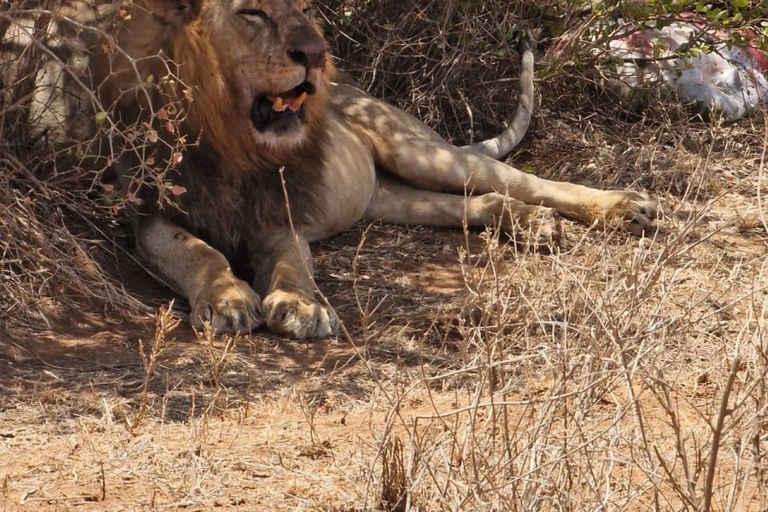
436, 165
530, 225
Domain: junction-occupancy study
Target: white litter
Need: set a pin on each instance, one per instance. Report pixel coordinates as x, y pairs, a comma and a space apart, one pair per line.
728, 81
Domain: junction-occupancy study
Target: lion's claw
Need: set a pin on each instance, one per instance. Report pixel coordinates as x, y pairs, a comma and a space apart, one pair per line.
635, 210
641, 212
297, 316
227, 307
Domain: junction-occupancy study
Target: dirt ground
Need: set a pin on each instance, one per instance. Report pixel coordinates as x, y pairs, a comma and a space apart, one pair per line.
470, 375
288, 425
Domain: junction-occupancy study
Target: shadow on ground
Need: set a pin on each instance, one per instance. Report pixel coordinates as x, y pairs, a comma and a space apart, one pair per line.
395, 289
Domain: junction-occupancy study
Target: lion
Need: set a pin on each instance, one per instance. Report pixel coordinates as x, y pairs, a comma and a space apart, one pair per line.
284, 155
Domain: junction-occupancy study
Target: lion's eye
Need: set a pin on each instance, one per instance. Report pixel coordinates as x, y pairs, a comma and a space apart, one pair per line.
253, 15
309, 12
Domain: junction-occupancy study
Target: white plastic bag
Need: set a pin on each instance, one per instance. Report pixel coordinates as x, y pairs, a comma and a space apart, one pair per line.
729, 81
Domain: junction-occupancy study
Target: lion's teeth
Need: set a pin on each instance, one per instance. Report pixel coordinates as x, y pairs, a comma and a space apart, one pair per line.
279, 106
298, 101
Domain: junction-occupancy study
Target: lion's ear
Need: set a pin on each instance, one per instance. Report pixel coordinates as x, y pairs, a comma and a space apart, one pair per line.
174, 12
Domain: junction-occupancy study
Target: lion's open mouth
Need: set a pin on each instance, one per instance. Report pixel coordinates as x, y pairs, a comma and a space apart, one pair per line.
276, 111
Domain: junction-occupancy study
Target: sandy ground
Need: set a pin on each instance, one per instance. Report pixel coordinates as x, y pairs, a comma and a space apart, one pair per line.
473, 376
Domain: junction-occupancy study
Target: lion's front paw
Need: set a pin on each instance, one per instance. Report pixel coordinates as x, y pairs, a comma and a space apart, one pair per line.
297, 316
228, 306
636, 210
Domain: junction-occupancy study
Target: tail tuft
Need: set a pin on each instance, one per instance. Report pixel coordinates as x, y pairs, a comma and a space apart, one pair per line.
503, 144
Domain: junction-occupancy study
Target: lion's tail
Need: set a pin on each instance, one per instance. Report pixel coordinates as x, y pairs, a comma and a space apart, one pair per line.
503, 144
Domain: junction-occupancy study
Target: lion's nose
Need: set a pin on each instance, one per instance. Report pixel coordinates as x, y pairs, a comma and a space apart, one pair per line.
307, 49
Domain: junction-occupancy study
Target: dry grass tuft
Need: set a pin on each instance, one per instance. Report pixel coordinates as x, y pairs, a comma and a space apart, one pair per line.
165, 323
394, 480
53, 252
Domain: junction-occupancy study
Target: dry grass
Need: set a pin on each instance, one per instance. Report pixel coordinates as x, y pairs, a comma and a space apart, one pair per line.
56, 257
61, 237
615, 374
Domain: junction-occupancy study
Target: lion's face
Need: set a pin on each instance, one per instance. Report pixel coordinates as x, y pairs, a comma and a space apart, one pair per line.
275, 57
261, 61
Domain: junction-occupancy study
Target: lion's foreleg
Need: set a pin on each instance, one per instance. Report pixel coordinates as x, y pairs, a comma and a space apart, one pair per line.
289, 306
402, 204
439, 166
202, 275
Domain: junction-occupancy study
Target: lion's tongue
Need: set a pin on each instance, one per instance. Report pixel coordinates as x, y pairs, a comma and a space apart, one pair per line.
287, 101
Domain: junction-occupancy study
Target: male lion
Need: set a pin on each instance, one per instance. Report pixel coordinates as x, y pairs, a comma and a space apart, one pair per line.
271, 125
